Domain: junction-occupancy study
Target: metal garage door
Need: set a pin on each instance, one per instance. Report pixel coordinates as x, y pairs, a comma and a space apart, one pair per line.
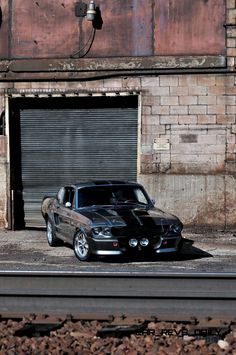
63, 146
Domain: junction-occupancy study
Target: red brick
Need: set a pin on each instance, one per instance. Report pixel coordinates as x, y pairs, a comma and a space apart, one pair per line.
231, 16
207, 119
225, 119
169, 100
216, 90
231, 109
231, 52
188, 100
230, 90
3, 146
207, 100
187, 119
197, 109
179, 110
206, 80
168, 80
216, 109
188, 80
179, 90
230, 4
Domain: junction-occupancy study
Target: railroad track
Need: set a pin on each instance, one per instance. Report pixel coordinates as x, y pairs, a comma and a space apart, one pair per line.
85, 295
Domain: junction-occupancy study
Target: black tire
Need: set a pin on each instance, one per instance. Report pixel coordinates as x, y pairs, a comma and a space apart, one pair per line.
180, 246
178, 252
81, 246
53, 241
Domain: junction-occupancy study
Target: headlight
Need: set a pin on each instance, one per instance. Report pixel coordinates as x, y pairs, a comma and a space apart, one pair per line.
133, 242
96, 230
176, 228
106, 231
101, 232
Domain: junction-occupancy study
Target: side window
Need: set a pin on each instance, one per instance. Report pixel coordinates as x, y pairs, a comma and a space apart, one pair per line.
140, 196
60, 195
69, 195
72, 197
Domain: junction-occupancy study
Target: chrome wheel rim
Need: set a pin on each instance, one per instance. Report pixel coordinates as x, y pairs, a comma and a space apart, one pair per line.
81, 245
49, 232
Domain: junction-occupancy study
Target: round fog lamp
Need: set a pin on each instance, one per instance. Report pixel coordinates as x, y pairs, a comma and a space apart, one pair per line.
133, 242
144, 242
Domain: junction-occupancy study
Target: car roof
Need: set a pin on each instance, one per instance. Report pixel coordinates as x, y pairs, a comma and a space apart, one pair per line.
104, 183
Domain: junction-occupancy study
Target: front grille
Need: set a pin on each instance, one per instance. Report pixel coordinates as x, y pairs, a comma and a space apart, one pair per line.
139, 232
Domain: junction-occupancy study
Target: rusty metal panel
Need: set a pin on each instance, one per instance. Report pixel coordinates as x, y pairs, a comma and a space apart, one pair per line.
127, 29
50, 29
189, 27
4, 29
43, 28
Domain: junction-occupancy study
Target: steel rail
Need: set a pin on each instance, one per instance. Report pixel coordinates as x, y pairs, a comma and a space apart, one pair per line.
146, 295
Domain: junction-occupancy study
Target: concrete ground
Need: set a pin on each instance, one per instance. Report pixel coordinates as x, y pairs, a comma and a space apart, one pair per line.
211, 251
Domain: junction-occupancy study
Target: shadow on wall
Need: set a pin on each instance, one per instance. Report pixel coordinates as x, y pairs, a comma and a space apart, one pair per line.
2, 122
98, 21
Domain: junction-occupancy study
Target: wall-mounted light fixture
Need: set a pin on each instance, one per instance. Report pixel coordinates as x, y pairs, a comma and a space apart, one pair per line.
82, 10
93, 14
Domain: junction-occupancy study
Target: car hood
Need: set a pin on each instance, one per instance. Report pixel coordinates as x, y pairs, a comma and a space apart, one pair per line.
127, 216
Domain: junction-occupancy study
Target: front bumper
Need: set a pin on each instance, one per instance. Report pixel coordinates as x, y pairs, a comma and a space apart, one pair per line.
113, 246
169, 245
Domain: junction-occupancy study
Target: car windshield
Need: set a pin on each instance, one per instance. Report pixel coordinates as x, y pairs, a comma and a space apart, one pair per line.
111, 195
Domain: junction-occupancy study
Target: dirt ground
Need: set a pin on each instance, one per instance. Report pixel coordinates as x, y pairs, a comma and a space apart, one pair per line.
204, 251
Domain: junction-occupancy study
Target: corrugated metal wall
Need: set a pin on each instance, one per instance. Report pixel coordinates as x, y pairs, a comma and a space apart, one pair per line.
63, 146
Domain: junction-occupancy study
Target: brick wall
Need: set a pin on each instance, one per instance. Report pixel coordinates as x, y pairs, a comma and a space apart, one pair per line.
188, 146
187, 141
191, 118
231, 33
3, 173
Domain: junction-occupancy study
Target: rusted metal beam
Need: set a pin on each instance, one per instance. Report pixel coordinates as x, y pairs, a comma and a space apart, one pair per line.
112, 64
87, 69
4, 65
83, 76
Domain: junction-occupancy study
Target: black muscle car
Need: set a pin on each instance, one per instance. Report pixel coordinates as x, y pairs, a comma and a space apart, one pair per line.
109, 218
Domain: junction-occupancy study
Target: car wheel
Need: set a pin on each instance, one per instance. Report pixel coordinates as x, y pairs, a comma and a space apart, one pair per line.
81, 246
51, 238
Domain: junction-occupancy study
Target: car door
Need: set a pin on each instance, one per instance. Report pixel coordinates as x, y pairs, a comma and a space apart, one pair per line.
61, 213
66, 215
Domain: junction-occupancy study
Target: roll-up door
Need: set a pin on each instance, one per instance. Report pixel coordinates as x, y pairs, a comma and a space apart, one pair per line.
67, 145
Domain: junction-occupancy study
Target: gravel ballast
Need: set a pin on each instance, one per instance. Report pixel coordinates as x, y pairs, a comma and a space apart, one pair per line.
81, 337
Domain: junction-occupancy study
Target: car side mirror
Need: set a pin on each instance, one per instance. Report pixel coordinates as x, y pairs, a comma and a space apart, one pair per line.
68, 204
